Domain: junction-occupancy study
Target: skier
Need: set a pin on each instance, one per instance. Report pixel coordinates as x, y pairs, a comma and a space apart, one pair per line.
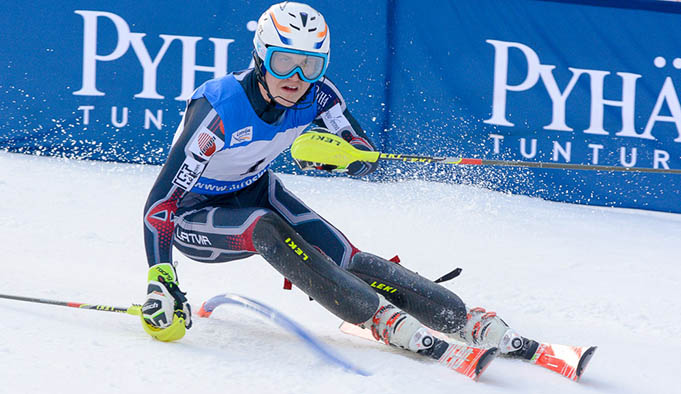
215, 200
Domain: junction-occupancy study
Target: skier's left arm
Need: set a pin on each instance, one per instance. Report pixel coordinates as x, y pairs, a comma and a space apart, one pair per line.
334, 115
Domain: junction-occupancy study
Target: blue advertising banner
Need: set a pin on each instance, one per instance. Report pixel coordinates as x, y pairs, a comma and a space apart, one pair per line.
542, 81
108, 80
579, 82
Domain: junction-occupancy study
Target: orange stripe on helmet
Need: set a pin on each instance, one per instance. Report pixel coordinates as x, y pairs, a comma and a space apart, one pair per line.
323, 33
278, 26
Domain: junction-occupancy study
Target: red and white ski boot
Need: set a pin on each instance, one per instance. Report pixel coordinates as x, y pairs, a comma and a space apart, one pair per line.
395, 327
486, 329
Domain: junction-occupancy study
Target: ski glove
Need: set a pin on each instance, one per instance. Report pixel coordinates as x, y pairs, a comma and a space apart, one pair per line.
356, 168
309, 165
166, 314
359, 168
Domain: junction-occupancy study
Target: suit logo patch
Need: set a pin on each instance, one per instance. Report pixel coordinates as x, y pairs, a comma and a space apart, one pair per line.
243, 135
207, 144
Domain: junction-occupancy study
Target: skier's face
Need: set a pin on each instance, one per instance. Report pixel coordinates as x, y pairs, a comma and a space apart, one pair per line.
291, 89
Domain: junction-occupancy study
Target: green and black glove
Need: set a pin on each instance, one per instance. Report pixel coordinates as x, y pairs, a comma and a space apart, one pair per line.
166, 314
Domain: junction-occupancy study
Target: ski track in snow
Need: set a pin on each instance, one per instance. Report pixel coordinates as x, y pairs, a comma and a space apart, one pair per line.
561, 273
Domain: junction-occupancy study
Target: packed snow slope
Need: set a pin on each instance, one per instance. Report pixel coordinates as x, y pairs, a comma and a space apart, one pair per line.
72, 230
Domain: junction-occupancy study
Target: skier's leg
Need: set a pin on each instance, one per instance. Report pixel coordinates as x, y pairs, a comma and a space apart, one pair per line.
311, 239
434, 305
218, 234
229, 231
306, 222
340, 292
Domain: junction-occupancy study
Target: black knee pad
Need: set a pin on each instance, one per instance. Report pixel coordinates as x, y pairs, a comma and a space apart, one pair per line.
429, 302
335, 289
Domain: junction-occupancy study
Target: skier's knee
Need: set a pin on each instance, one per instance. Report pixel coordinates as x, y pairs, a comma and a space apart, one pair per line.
432, 304
343, 294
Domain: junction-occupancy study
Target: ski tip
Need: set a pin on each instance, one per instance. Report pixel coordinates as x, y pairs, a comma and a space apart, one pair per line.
484, 361
203, 312
584, 361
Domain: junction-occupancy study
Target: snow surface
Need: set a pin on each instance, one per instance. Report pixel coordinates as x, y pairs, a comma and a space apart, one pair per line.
72, 230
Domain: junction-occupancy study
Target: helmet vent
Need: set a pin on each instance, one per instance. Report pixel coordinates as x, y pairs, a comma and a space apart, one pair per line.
303, 18
313, 29
294, 26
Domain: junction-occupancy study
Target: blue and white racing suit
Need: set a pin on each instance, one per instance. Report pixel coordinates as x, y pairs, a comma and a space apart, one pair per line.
216, 182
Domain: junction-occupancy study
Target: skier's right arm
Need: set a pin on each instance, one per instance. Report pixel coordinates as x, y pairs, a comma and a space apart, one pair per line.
166, 313
196, 140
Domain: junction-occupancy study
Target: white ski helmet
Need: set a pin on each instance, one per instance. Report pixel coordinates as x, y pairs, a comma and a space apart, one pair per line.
295, 28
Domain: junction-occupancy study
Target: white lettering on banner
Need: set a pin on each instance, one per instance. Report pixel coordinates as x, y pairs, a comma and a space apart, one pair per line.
661, 158
149, 118
536, 71
90, 56
86, 112
559, 150
596, 148
562, 151
598, 103
189, 66
126, 38
501, 85
668, 95
114, 117
623, 157
533, 148
149, 66
497, 141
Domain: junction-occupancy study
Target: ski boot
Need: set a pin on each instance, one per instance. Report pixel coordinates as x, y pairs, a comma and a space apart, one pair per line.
395, 327
486, 329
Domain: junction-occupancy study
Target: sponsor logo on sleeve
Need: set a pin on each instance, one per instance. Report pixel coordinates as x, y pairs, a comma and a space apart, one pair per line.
334, 119
188, 174
205, 144
243, 135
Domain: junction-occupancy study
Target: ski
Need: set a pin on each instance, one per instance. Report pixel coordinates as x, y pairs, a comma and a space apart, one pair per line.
569, 361
467, 360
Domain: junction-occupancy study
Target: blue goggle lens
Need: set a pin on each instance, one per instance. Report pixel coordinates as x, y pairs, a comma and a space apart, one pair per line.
283, 63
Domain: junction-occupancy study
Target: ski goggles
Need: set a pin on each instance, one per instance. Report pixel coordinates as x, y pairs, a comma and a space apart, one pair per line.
283, 63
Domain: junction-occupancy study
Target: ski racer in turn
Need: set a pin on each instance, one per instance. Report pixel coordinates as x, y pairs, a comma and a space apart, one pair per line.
215, 200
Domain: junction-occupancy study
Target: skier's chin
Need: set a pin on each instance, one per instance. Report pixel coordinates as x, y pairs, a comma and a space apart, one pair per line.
288, 96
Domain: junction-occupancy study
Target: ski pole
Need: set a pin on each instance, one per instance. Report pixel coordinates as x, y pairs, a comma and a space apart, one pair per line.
331, 149
513, 163
135, 310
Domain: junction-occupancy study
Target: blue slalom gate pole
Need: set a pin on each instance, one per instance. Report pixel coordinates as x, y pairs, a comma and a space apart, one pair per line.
283, 321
